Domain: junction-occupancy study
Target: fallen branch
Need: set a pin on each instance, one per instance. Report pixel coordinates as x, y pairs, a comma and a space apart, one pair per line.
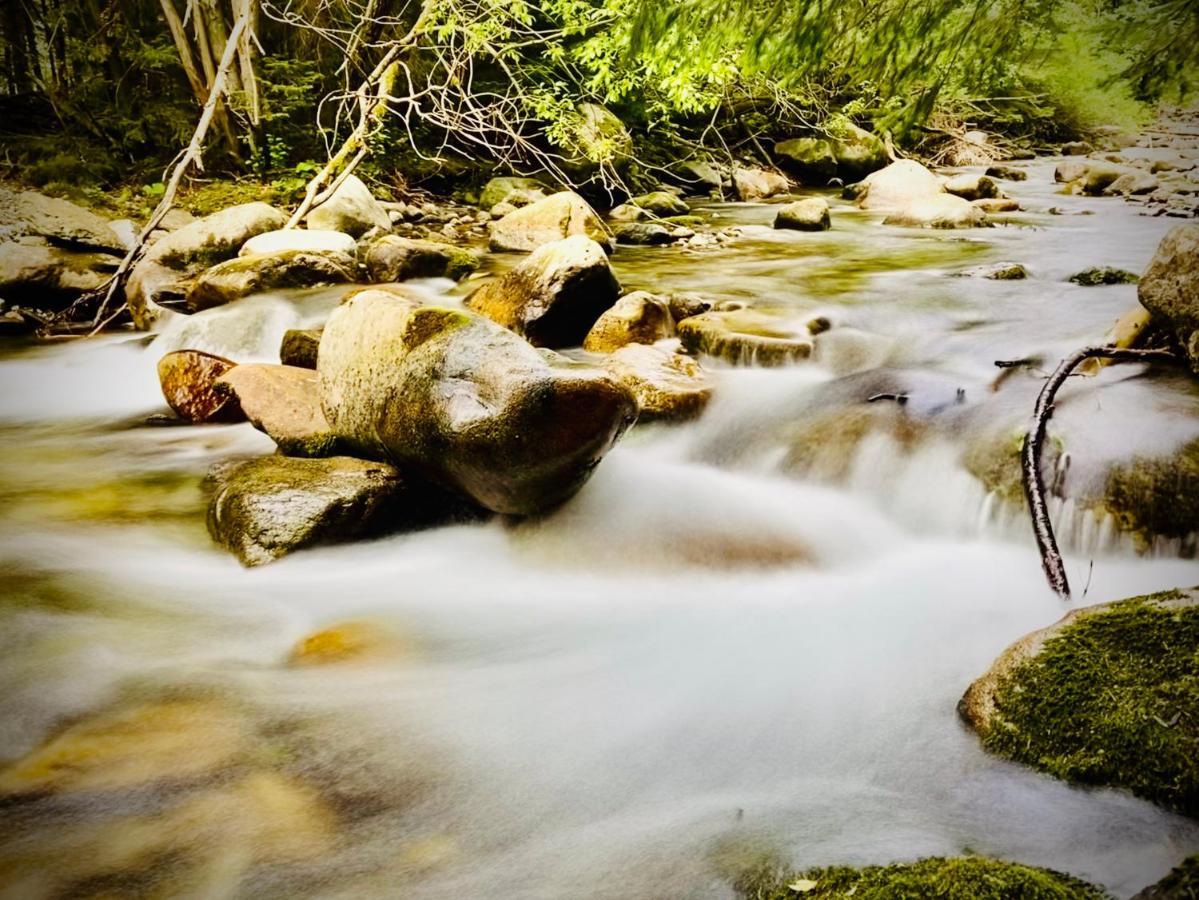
192, 154
1030, 454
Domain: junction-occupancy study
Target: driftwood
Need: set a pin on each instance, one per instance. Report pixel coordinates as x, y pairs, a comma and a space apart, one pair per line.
191, 155
1030, 454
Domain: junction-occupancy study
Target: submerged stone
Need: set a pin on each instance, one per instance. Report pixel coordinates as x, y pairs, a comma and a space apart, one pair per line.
1103, 275
1105, 696
667, 385
743, 338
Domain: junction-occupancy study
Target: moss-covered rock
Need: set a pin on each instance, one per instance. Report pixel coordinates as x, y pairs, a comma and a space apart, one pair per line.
636, 318
649, 234
1096, 276
558, 216
188, 381
299, 347
352, 209
667, 385
245, 275
1181, 884
394, 258
804, 215
1155, 496
467, 403
825, 443
849, 153
1170, 287
1108, 695
744, 338
661, 204
282, 402
961, 878
597, 138
1007, 173
42, 276
972, 187
555, 296
512, 189
1100, 175
265, 508
164, 273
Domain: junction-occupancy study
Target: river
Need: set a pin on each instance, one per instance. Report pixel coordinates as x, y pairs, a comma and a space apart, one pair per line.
705, 649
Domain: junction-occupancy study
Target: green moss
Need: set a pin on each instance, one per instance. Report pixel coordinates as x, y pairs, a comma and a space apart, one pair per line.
1112, 699
963, 878
1149, 497
1101, 275
1181, 884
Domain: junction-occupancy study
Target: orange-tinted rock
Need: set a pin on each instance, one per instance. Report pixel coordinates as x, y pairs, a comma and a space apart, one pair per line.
283, 402
188, 380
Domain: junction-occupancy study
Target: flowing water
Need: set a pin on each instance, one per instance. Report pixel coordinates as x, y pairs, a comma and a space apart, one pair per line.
707, 649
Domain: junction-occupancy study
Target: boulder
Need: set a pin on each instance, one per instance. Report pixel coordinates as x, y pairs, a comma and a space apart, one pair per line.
1169, 289
597, 138
1100, 175
284, 403
698, 177
164, 273
1076, 148
309, 240
758, 184
804, 215
352, 209
937, 211
898, 185
265, 508
1132, 183
1101, 275
1008, 173
299, 347
1083, 698
30, 214
511, 189
997, 205
1003, 271
743, 338
188, 380
650, 234
684, 305
554, 297
636, 318
467, 403
972, 187
1069, 170
627, 212
245, 275
954, 878
558, 216
394, 258
661, 204
43, 276
666, 385
848, 152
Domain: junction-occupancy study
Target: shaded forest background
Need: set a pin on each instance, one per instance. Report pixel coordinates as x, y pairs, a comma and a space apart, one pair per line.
98, 96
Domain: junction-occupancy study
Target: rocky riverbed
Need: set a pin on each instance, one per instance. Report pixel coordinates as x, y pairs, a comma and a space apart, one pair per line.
570, 549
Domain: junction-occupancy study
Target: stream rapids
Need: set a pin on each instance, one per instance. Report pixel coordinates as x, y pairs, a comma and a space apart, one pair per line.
701, 650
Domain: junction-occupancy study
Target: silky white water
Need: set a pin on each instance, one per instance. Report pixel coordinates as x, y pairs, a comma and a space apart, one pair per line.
700, 648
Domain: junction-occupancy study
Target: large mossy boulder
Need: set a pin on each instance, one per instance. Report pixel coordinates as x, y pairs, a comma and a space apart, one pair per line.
352, 209
636, 318
1108, 695
1169, 289
164, 274
511, 189
284, 403
188, 381
30, 214
558, 216
596, 139
236, 278
395, 258
265, 508
849, 153
662, 204
38, 274
555, 296
960, 878
467, 403
744, 338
